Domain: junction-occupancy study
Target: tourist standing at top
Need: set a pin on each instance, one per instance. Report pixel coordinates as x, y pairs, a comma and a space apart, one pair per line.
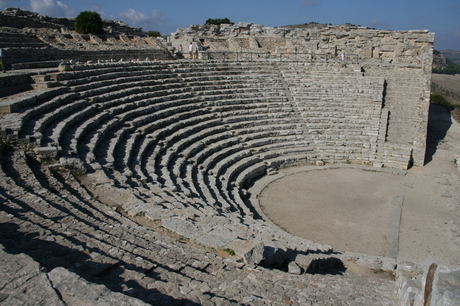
190, 50
1, 61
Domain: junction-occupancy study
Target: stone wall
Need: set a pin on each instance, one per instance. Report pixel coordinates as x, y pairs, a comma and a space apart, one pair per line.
357, 42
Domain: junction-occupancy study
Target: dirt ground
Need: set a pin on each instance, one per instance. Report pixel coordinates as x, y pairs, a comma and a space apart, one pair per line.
349, 209
447, 80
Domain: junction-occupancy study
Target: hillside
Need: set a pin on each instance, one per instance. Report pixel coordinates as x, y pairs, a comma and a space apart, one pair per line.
453, 55
442, 64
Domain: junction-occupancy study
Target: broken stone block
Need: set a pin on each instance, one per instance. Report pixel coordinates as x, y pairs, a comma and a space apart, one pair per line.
72, 163
46, 152
294, 268
252, 251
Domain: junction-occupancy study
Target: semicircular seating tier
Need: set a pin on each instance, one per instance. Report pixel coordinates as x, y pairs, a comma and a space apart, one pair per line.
181, 142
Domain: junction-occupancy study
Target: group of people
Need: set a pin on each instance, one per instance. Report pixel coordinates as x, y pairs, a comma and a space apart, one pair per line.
180, 51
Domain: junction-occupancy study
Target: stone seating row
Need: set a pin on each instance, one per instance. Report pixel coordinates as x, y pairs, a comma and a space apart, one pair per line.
117, 78
104, 72
65, 101
231, 159
204, 84
117, 103
167, 120
81, 225
218, 147
343, 105
180, 112
88, 94
17, 40
110, 70
12, 84
248, 148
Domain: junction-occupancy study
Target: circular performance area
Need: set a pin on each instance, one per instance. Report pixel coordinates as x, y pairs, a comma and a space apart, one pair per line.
359, 209
346, 208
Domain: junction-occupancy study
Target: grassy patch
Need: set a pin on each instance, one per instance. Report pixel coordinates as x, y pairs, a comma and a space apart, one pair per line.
439, 99
229, 252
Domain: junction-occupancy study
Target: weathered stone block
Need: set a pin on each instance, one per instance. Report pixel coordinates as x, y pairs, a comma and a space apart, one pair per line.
252, 251
72, 163
46, 152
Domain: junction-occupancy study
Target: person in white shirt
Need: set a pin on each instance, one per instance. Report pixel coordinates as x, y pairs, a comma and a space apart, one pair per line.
190, 50
1, 61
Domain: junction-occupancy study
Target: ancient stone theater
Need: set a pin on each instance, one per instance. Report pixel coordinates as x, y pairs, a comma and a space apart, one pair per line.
130, 173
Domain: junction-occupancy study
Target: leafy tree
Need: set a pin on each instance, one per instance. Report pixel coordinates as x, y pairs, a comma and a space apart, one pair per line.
218, 21
153, 33
88, 22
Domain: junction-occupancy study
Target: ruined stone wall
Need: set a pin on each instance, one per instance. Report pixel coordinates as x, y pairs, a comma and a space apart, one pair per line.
354, 41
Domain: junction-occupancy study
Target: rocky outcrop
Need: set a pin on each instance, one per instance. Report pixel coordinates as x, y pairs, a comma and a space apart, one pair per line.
439, 60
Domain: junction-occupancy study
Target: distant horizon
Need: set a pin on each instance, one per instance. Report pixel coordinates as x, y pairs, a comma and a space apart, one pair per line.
166, 17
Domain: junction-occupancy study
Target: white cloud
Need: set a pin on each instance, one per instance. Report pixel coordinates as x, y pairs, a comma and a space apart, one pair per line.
138, 19
134, 17
95, 7
156, 15
2, 4
51, 8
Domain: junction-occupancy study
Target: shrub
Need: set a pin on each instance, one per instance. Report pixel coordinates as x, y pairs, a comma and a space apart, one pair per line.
88, 22
229, 252
153, 34
218, 21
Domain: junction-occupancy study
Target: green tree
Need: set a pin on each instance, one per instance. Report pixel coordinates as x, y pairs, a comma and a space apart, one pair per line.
88, 22
153, 33
218, 21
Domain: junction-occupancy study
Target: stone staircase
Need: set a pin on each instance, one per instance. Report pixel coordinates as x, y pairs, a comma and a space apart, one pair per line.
341, 109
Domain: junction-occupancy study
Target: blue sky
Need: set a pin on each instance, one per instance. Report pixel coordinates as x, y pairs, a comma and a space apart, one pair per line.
440, 16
